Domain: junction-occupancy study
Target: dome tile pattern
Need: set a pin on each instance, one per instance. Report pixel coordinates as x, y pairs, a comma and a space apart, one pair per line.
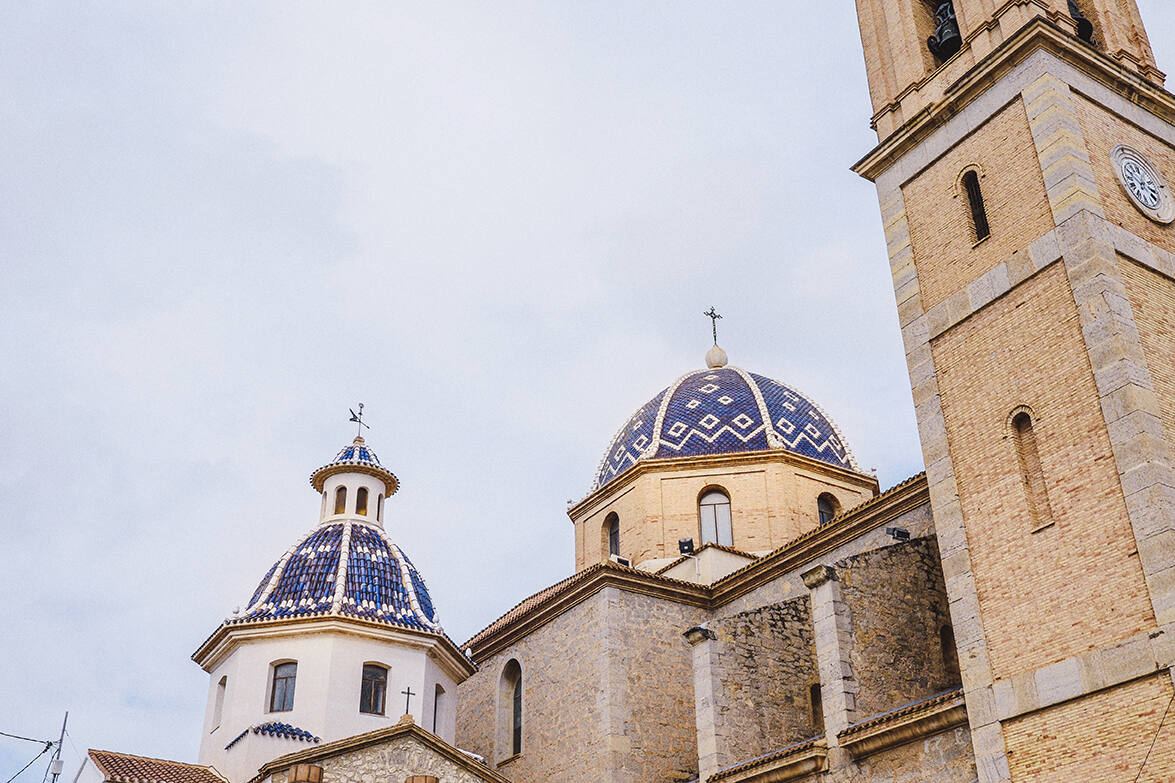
345, 568
355, 458
631, 442
724, 410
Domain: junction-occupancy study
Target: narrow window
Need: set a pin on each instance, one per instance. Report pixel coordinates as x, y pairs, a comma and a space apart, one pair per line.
950, 655
516, 721
374, 689
613, 534
340, 500
978, 211
379, 507
714, 515
281, 698
826, 507
1031, 474
218, 704
437, 702
361, 501
816, 700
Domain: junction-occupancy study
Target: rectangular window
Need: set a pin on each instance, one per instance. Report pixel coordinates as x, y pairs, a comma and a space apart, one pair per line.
374, 689
281, 699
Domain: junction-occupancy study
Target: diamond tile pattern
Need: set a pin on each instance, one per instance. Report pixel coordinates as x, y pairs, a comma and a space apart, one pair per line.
630, 442
716, 412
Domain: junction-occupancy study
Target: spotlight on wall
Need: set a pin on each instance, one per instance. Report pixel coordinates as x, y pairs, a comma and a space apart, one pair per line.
897, 533
685, 546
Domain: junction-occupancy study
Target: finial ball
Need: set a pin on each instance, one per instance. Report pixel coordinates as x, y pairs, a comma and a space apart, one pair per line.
716, 357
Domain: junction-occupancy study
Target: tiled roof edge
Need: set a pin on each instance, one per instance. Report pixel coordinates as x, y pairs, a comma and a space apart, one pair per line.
766, 758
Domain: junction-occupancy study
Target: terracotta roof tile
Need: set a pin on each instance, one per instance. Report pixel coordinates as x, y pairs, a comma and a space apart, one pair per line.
125, 768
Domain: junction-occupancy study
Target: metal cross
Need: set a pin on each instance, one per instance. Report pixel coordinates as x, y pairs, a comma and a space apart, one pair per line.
408, 699
358, 419
713, 316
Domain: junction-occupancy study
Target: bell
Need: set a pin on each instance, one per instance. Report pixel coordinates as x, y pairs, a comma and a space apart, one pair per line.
946, 40
1084, 26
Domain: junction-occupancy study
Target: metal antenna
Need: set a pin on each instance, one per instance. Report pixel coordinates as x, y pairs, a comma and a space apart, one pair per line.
55, 765
358, 419
712, 314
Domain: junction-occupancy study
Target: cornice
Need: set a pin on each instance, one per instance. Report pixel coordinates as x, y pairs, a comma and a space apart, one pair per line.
360, 741
544, 606
613, 489
1038, 34
795, 761
914, 721
217, 646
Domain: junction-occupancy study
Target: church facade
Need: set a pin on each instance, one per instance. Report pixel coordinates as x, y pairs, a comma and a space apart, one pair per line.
747, 604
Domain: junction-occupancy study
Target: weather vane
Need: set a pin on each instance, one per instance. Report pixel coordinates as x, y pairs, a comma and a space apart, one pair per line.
712, 314
358, 419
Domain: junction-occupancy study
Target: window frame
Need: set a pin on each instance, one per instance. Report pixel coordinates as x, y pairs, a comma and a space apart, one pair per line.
708, 514
368, 690
288, 684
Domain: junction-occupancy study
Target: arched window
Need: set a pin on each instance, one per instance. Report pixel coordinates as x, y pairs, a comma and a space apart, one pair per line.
612, 523
379, 507
281, 695
1031, 473
815, 700
438, 701
516, 723
340, 500
827, 507
510, 711
361, 501
950, 655
218, 704
714, 516
373, 692
975, 201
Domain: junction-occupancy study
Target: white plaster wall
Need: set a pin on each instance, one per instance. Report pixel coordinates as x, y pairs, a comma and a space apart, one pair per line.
353, 481
326, 694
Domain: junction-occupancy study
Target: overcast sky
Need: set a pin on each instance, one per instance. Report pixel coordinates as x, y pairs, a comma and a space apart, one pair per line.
496, 224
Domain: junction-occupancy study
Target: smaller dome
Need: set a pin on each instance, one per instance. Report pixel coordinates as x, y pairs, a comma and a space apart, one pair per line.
347, 569
356, 458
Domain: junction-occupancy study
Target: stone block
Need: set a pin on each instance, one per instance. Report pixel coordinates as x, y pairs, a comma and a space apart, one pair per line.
1058, 682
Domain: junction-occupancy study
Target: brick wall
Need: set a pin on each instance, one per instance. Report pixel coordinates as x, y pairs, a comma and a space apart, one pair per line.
940, 216
1077, 584
1103, 131
766, 660
898, 603
1105, 737
1152, 297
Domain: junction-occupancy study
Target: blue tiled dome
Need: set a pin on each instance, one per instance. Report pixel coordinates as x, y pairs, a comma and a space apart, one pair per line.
349, 569
355, 458
724, 410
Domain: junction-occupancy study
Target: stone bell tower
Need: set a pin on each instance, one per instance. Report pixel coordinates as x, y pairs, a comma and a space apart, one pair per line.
1026, 150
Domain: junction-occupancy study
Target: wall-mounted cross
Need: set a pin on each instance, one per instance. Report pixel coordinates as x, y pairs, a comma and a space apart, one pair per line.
712, 314
408, 694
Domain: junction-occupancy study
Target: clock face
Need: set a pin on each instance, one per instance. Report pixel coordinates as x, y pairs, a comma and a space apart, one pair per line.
1143, 184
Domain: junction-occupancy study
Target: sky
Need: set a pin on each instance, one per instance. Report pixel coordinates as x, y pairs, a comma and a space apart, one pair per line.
497, 225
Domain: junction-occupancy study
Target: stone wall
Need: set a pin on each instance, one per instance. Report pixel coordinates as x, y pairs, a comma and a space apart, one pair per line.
393, 761
607, 695
941, 758
766, 662
898, 604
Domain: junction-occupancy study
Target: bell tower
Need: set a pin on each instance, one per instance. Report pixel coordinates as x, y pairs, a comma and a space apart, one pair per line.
1024, 166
